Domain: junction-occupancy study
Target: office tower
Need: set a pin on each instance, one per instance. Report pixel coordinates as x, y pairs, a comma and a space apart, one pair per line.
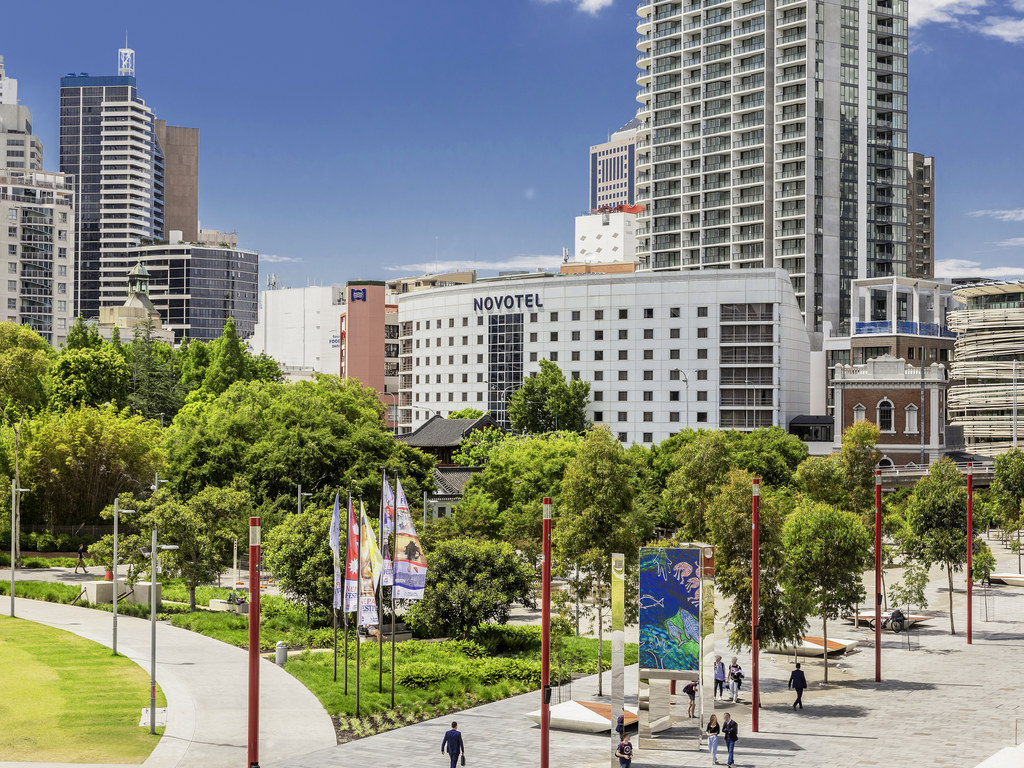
775, 135
181, 178
108, 144
920, 215
36, 235
19, 148
613, 168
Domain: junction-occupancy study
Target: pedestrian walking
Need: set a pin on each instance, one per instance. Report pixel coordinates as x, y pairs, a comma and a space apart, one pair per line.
624, 752
731, 733
798, 682
713, 730
453, 741
719, 677
81, 559
735, 679
691, 690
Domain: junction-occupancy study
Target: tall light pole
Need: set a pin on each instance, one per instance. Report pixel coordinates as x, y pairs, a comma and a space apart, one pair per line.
755, 610
153, 558
394, 404
878, 575
545, 647
970, 546
254, 642
15, 503
117, 513
686, 402
300, 495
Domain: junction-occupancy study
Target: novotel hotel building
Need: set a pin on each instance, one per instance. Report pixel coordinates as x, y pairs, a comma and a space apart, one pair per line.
716, 349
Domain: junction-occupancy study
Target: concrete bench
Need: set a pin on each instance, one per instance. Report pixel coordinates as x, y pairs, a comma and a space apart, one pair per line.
226, 605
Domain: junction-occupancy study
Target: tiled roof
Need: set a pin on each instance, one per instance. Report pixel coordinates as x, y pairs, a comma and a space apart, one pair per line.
446, 433
450, 481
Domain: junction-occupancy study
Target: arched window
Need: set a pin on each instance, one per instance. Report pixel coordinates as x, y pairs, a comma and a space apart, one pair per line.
911, 412
885, 463
884, 412
859, 413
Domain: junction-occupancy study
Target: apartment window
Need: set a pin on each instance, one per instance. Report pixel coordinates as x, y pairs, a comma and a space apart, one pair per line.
648, 333
427, 327
553, 357
673, 375
480, 339
648, 375
465, 397
648, 437
702, 333
12, 250
554, 317
702, 375
62, 323
702, 311
648, 313
479, 359
598, 313
673, 311
623, 375
622, 437
623, 314
479, 397
598, 416
13, 304
623, 396
451, 359
648, 415
465, 322
575, 314
451, 397
623, 354
451, 324
673, 395
62, 253
465, 361
648, 354
12, 285
673, 333
533, 337
465, 380
554, 335
62, 217
623, 333
575, 335
702, 354
648, 396
598, 335
533, 319
480, 320
702, 416
575, 375
12, 214
575, 357
702, 396
598, 396
599, 355
62, 306
533, 359
598, 375
673, 416
479, 379
623, 416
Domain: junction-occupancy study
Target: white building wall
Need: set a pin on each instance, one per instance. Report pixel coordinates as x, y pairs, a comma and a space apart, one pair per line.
605, 237
625, 334
300, 328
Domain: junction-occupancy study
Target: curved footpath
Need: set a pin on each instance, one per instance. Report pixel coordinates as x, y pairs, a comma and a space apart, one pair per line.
206, 684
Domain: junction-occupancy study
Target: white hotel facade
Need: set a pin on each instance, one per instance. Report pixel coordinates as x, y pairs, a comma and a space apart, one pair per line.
661, 351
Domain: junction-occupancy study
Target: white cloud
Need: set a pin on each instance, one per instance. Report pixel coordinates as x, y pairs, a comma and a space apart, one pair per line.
942, 11
588, 6
1007, 214
1013, 242
952, 268
270, 258
1006, 29
453, 265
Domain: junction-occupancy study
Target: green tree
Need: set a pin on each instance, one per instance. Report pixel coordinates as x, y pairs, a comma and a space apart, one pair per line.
826, 549
227, 361
597, 517
547, 402
771, 453
476, 448
467, 413
823, 479
1007, 491
703, 463
298, 553
937, 521
262, 367
115, 339
469, 583
82, 335
24, 361
89, 377
77, 461
154, 388
783, 612
860, 456
195, 359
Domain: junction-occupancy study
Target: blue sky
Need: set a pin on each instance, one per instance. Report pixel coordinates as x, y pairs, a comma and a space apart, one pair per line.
340, 139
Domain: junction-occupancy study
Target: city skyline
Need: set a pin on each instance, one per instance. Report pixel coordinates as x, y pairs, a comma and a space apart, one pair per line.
486, 146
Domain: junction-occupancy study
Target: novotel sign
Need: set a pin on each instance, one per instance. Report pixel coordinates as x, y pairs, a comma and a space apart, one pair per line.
508, 301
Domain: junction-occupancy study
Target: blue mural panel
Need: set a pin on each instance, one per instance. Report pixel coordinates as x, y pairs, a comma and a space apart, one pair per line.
670, 588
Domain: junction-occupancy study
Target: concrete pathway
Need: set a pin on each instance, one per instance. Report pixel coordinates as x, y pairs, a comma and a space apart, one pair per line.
206, 684
942, 703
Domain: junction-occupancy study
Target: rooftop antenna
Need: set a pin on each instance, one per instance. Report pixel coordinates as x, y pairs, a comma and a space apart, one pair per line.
126, 59
435, 254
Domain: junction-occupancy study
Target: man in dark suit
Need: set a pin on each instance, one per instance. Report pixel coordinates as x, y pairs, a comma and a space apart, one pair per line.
798, 681
453, 741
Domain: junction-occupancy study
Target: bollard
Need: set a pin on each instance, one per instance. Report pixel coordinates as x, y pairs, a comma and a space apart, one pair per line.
281, 653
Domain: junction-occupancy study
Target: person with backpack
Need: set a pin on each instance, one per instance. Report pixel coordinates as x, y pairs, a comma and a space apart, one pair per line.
719, 678
735, 679
731, 733
691, 690
624, 752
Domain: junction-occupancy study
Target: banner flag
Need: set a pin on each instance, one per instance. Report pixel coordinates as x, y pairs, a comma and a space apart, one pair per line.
387, 518
352, 563
336, 551
372, 565
410, 563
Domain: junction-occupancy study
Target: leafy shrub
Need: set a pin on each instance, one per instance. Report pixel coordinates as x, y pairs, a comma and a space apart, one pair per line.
65, 543
46, 542
465, 647
494, 671
503, 638
425, 674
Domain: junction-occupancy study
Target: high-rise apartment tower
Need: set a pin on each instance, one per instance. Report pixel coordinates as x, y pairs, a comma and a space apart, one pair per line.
920, 215
774, 133
108, 144
613, 168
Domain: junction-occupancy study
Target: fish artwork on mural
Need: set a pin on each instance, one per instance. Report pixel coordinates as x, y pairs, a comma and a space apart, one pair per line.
648, 601
670, 599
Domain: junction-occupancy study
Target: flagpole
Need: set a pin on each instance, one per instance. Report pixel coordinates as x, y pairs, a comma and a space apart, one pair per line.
380, 598
344, 608
394, 520
359, 592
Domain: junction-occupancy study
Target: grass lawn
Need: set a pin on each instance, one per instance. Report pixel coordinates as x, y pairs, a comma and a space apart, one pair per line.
67, 699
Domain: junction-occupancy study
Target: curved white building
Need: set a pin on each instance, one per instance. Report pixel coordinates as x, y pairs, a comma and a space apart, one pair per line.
985, 372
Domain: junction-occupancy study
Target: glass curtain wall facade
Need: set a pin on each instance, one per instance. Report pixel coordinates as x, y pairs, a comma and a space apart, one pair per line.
108, 145
773, 133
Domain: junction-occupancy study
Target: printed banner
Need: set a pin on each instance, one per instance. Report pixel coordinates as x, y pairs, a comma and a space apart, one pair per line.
352, 563
410, 562
371, 564
387, 521
618, 592
670, 591
336, 551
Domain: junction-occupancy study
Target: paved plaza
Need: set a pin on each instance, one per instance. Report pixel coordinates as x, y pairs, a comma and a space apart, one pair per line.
941, 703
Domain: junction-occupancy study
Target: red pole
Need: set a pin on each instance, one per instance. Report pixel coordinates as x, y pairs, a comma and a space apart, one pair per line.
970, 546
254, 642
755, 612
878, 575
545, 644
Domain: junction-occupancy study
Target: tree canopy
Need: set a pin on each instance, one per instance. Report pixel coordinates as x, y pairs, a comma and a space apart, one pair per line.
547, 402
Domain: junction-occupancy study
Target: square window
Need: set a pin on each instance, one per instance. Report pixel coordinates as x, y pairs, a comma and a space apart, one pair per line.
673, 354
575, 356
533, 337
702, 311
673, 416
648, 437
533, 359
533, 319
623, 314
702, 375
623, 375
673, 395
575, 377
598, 375
702, 416
598, 397
598, 416
673, 333
648, 333
598, 355
554, 317
648, 375
673, 311
623, 333
623, 354
554, 357
598, 335
623, 396
648, 416
648, 396
623, 416
554, 335
575, 337
702, 354
702, 333
701, 397
622, 437
575, 316
648, 354
599, 314
648, 313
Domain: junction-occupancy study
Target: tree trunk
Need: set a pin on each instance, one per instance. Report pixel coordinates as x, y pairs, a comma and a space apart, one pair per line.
191, 598
949, 575
824, 637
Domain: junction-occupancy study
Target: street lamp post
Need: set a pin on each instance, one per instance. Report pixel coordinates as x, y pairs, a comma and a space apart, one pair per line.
394, 405
686, 402
301, 494
15, 503
117, 513
154, 549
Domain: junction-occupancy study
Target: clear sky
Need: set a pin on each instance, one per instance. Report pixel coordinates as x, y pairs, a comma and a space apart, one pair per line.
343, 140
